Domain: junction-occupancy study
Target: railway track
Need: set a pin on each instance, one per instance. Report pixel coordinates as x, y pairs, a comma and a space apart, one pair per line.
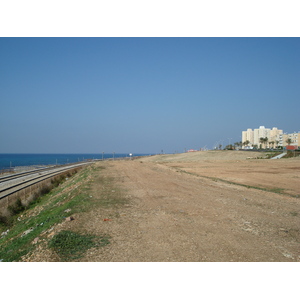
14, 183
22, 174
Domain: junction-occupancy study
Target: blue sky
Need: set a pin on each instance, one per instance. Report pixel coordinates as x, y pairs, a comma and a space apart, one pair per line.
143, 95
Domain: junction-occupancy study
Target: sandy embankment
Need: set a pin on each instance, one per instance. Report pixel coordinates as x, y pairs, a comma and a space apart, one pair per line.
172, 214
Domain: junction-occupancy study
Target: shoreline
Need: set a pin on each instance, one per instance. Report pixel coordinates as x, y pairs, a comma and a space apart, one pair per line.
10, 161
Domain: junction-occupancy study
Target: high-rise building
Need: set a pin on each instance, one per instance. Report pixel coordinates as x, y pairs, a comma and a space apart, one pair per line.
274, 133
253, 137
248, 136
259, 133
293, 137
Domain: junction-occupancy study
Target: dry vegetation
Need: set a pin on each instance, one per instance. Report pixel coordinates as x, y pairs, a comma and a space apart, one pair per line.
203, 206
240, 167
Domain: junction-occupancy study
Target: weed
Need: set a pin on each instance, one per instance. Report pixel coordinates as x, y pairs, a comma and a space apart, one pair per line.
45, 190
272, 154
34, 199
17, 207
110, 195
292, 153
50, 211
55, 182
46, 211
5, 221
273, 190
71, 245
7, 215
276, 190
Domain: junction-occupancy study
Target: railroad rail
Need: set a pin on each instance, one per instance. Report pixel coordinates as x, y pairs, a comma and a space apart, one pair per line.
14, 183
21, 174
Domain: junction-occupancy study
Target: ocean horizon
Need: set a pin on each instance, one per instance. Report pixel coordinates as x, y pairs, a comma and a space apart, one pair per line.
12, 160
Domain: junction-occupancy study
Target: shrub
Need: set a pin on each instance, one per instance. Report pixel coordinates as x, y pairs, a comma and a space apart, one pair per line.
45, 190
71, 245
6, 220
16, 207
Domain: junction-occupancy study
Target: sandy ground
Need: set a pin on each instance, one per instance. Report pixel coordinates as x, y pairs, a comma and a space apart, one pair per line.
172, 215
239, 167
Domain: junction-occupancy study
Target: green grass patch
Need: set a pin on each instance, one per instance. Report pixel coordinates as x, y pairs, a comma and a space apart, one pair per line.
276, 190
70, 245
18, 206
272, 154
47, 211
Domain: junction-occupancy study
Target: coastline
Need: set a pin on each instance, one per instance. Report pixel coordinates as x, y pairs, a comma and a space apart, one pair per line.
10, 161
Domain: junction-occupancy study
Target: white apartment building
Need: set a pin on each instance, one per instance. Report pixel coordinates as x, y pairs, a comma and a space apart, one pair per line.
254, 136
295, 139
274, 133
248, 136
261, 132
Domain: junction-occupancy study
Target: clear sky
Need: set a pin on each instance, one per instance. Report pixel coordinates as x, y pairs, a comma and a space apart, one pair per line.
143, 95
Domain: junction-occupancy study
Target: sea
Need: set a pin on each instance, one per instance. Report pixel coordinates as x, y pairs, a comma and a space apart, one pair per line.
12, 161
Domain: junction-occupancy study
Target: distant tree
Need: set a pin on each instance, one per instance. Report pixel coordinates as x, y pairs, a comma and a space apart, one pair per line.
289, 141
261, 141
246, 143
272, 144
229, 147
266, 142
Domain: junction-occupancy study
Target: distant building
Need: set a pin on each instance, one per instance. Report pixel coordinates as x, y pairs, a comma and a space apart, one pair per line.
252, 138
275, 138
294, 138
248, 136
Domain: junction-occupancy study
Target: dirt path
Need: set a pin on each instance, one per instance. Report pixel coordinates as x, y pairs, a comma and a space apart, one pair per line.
174, 216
